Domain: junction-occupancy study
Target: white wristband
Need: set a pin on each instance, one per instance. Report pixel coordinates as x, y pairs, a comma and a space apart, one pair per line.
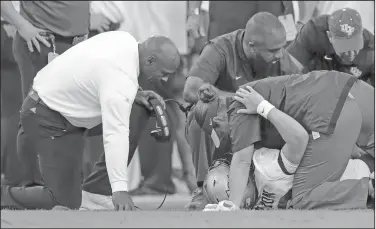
264, 108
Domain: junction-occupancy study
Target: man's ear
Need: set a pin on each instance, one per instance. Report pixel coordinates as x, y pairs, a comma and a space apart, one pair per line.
151, 60
251, 46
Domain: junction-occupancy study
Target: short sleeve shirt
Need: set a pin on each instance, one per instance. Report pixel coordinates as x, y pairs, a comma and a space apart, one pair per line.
223, 64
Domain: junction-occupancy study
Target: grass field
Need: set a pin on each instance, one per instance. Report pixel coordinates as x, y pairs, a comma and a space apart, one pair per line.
173, 215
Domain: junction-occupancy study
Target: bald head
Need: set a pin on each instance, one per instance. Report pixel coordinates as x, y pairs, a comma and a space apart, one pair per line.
265, 29
165, 52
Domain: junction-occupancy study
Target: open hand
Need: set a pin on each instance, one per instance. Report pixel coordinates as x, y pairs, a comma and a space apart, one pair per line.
122, 201
32, 36
250, 99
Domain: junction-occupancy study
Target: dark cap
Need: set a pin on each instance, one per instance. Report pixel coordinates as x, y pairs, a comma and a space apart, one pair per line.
345, 27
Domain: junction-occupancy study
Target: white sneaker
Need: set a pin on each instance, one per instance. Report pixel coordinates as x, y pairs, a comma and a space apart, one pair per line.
96, 202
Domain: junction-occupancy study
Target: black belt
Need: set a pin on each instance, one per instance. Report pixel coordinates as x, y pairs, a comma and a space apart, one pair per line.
34, 96
68, 40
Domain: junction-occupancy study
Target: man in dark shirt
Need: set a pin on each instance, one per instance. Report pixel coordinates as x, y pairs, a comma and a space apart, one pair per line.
45, 30
336, 42
228, 62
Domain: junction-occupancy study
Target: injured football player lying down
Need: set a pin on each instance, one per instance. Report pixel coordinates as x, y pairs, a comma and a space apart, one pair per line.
272, 170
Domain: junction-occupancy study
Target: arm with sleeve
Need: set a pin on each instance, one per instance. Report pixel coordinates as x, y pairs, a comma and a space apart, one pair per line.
244, 133
116, 98
207, 69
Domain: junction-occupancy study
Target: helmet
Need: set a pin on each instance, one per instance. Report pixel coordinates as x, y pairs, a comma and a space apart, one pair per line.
216, 185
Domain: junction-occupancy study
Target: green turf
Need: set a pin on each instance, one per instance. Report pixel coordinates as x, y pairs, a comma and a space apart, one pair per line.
285, 219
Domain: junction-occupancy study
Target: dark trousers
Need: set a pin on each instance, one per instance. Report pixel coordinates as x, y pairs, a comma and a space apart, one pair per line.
11, 98
29, 64
60, 147
156, 157
98, 181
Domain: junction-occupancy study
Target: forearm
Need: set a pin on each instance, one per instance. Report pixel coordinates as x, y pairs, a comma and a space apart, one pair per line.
239, 173
290, 130
192, 87
116, 153
116, 111
9, 14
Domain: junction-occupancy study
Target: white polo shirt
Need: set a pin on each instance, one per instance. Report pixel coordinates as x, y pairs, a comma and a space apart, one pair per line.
96, 82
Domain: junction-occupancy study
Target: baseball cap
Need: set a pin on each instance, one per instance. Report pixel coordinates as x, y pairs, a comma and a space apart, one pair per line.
345, 26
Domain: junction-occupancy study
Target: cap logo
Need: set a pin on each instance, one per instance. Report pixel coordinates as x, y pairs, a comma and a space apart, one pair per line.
355, 71
347, 29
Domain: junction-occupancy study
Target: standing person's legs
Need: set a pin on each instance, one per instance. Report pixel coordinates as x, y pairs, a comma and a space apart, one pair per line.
156, 159
185, 152
316, 183
29, 64
11, 99
60, 147
98, 182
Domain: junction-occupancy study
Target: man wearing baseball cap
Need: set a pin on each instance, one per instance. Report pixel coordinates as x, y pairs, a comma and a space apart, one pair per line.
228, 62
336, 42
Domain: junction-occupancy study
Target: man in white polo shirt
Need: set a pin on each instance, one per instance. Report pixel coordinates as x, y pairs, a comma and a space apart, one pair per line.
94, 82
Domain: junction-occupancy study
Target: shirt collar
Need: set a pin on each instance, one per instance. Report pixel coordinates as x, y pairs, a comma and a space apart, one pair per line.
239, 45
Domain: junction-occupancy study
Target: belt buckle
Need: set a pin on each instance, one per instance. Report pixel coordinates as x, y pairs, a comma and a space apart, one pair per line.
79, 39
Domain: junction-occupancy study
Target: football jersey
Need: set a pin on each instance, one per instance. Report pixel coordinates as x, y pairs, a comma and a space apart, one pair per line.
356, 169
273, 185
